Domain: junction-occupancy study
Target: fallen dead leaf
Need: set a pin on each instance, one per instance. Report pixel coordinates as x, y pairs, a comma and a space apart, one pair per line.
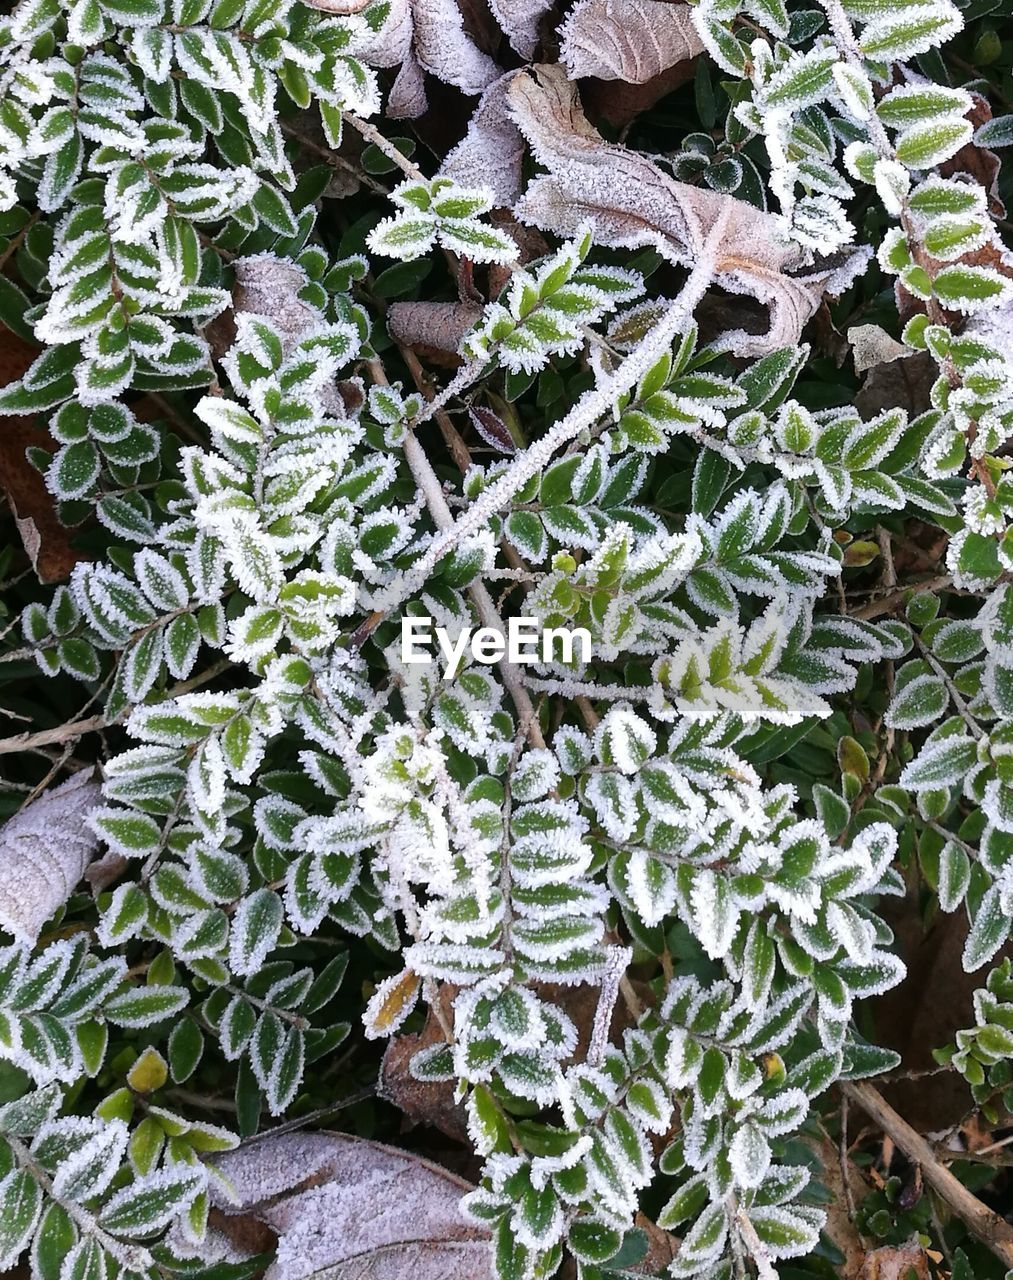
432, 326
872, 345
628, 40
352, 1210
521, 21
47, 543
431, 36
423, 1102
633, 203
491, 153
909, 1262
44, 850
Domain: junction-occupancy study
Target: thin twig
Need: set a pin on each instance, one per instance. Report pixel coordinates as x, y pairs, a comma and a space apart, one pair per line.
984, 1223
591, 406
78, 728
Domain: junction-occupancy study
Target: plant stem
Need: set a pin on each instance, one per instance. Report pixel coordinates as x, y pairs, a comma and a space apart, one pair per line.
591, 405
130, 1257
990, 1228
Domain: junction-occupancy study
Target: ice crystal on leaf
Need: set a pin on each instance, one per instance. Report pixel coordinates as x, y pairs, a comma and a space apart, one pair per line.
512, 846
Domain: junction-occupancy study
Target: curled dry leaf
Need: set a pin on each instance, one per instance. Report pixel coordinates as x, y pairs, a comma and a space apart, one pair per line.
872, 345
491, 153
437, 326
521, 20
353, 1210
628, 40
44, 850
633, 203
445, 50
909, 1262
408, 99
426, 35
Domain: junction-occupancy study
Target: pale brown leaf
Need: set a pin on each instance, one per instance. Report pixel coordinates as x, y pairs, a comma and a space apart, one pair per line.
436, 325
44, 850
633, 203
521, 20
390, 45
872, 345
408, 99
628, 40
445, 50
342, 7
349, 1209
909, 1262
491, 153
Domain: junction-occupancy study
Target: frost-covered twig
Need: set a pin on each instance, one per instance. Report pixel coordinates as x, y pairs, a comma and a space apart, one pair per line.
595, 402
432, 490
758, 1251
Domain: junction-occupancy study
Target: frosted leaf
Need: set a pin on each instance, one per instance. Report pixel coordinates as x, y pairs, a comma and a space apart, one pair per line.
628, 40
521, 21
44, 850
633, 203
624, 739
88, 1171
445, 50
749, 1156
491, 153
255, 928
391, 1003
341, 1204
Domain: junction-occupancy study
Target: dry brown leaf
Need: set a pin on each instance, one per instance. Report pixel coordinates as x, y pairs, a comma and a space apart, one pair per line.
44, 850
617, 103
872, 345
47, 543
438, 326
353, 1210
492, 151
662, 1248
628, 40
426, 35
391, 43
909, 1262
633, 203
445, 50
424, 1102
407, 100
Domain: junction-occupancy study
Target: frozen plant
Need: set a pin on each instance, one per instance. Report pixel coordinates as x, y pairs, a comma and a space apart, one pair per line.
620, 916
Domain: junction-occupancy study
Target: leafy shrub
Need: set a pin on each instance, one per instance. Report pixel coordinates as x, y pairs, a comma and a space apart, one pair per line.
799, 696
